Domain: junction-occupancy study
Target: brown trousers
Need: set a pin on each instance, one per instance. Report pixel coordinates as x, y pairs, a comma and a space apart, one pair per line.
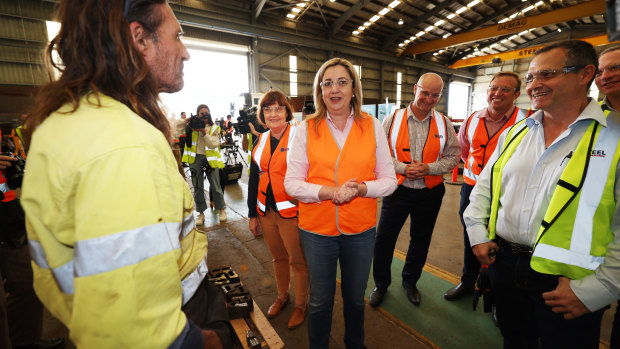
282, 238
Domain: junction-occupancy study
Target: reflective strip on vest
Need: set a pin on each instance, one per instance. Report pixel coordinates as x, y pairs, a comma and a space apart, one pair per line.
443, 134
262, 140
469, 174
591, 195
576, 261
257, 155
107, 253
398, 120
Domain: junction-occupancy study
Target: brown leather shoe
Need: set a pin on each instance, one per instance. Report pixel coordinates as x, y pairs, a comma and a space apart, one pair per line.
299, 314
277, 306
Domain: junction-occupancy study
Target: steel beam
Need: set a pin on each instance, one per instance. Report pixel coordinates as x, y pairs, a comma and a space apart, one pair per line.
337, 24
391, 38
523, 53
270, 33
589, 8
258, 7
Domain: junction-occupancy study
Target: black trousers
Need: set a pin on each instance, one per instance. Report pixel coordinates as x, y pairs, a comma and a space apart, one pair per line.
523, 316
21, 313
422, 205
207, 309
471, 265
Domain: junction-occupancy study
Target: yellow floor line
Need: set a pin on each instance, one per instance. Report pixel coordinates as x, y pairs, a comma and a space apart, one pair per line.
429, 268
448, 276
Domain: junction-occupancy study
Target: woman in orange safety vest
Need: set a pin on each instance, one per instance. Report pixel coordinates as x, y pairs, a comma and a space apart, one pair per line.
339, 165
276, 211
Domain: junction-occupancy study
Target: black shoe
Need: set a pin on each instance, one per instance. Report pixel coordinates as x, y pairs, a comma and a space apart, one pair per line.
457, 292
413, 295
54, 343
376, 296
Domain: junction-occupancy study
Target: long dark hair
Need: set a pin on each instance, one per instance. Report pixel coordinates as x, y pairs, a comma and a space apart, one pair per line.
97, 55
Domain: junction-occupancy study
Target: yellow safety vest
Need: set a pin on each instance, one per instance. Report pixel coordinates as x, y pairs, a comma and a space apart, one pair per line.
213, 155
576, 229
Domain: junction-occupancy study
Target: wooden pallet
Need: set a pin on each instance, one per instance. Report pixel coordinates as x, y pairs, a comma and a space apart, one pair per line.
263, 330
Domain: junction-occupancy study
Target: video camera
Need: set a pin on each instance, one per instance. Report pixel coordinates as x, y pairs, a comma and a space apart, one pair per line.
196, 122
247, 116
14, 174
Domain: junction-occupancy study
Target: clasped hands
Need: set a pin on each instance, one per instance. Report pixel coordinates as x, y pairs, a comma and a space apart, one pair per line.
346, 192
416, 170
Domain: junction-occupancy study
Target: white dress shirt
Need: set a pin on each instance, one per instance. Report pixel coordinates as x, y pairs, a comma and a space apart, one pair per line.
527, 185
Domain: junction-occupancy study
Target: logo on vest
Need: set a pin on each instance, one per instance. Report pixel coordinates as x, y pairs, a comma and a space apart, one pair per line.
598, 153
284, 149
438, 135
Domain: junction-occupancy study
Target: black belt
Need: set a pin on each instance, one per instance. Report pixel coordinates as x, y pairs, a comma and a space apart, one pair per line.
517, 249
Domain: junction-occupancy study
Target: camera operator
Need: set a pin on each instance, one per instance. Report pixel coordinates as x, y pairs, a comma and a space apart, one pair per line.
202, 149
21, 312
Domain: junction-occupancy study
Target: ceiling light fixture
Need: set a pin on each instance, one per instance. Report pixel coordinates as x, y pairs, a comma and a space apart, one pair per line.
473, 3
450, 16
394, 4
290, 15
374, 18
355, 32
445, 36
461, 10
440, 22
400, 21
296, 9
384, 11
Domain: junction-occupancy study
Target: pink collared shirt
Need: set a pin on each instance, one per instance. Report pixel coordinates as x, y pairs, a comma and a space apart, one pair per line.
297, 168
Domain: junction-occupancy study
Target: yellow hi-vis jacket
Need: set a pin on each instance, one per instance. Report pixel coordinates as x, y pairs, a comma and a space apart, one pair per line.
576, 229
112, 236
213, 155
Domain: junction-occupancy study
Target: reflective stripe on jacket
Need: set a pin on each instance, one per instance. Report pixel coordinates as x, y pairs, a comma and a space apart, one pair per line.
272, 169
398, 140
330, 165
110, 227
481, 146
576, 229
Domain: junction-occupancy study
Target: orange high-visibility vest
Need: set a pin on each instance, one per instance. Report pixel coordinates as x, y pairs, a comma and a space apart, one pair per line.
398, 140
330, 165
272, 168
481, 146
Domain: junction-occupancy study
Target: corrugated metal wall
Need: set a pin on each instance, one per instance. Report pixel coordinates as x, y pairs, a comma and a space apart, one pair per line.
23, 35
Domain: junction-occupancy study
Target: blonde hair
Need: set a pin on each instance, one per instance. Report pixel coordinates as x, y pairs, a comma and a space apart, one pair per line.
356, 100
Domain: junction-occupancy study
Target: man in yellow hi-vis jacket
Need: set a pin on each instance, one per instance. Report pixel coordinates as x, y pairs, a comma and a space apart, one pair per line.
116, 255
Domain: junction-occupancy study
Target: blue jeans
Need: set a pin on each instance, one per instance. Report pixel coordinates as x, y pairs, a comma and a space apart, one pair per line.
354, 252
198, 182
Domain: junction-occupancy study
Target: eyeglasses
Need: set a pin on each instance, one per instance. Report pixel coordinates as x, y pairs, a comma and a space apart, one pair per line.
504, 89
273, 109
610, 69
428, 94
330, 84
548, 74
204, 115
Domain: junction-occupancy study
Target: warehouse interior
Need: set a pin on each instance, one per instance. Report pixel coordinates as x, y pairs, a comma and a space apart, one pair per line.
280, 44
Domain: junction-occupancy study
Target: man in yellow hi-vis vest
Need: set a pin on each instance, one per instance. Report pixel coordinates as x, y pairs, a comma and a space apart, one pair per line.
607, 80
543, 214
116, 254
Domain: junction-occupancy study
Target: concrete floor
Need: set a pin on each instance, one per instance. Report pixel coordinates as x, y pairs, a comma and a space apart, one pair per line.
232, 244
